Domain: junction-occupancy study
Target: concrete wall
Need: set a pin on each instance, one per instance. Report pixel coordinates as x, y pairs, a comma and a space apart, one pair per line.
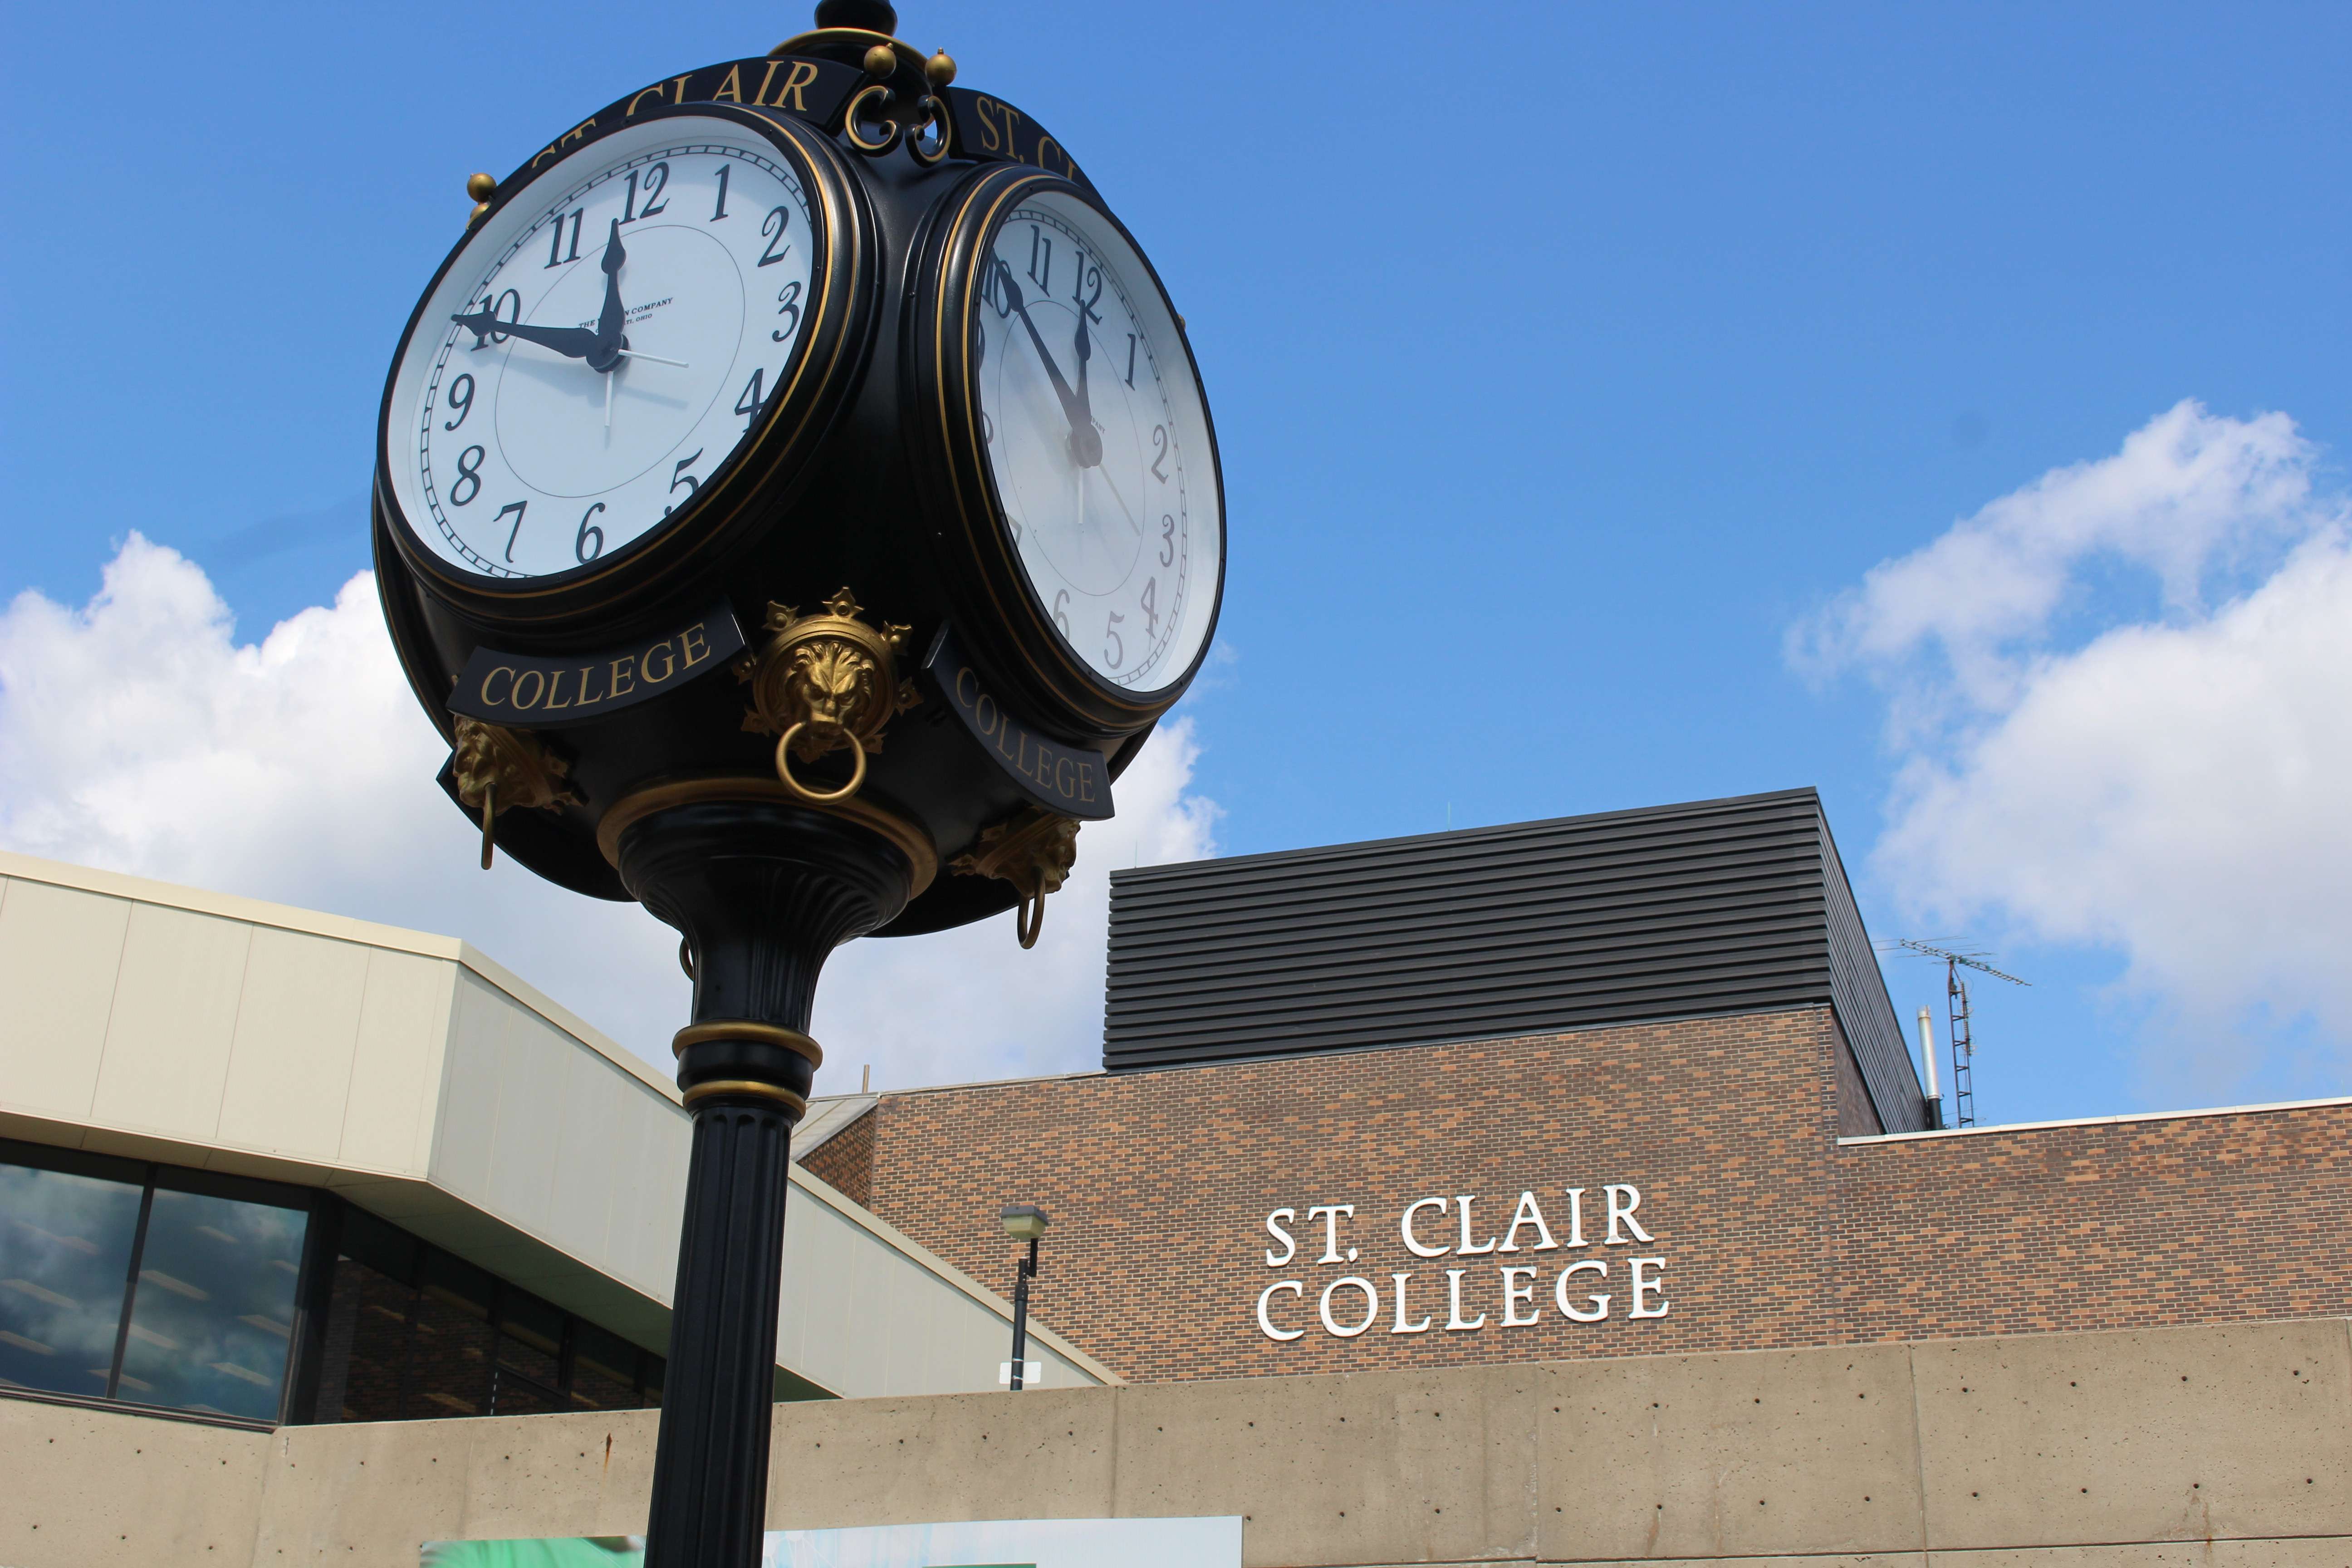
426, 1084
2226, 1445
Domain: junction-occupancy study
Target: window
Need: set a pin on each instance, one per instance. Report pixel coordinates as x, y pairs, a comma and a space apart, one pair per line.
413, 1332
190, 1292
153, 1285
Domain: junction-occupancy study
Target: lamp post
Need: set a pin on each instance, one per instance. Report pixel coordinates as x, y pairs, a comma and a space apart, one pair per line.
1023, 1222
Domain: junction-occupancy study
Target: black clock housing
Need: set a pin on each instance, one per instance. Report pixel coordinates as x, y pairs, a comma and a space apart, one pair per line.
939, 390
845, 486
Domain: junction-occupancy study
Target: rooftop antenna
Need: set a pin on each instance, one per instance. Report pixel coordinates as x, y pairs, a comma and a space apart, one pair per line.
1956, 991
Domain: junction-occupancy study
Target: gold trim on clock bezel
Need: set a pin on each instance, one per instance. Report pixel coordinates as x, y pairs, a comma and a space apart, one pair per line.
948, 415
833, 339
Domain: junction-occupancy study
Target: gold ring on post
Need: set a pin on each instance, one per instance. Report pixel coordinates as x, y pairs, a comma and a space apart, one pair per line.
1029, 918
849, 122
815, 797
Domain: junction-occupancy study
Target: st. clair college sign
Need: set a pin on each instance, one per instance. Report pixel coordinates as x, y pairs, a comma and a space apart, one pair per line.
1511, 1274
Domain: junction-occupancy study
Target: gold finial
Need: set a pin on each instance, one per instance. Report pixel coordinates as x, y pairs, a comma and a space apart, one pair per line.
939, 71
481, 188
881, 60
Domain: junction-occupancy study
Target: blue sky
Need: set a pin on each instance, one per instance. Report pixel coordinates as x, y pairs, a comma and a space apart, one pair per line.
1566, 361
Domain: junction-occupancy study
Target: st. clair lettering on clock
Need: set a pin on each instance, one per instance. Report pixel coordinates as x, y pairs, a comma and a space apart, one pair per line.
522, 689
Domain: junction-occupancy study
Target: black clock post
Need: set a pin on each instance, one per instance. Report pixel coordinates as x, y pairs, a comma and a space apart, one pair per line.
723, 608
761, 891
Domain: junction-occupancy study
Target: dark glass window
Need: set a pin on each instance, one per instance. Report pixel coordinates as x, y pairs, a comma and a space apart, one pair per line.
212, 1308
414, 1333
65, 1257
208, 1268
225, 1308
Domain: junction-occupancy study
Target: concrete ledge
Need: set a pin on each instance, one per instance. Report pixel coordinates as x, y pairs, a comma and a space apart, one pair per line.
2228, 1446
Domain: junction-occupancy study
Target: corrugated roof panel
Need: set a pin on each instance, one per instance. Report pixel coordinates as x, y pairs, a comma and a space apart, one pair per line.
1704, 909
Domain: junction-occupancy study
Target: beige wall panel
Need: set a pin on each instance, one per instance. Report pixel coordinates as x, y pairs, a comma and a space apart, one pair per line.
1803, 1560
396, 1068
593, 1103
649, 1152
834, 1463
1384, 1467
821, 1258
468, 1113
532, 1057
60, 952
83, 1487
289, 1071
1759, 1452
173, 1023
2313, 1551
562, 1475
2174, 1434
367, 1494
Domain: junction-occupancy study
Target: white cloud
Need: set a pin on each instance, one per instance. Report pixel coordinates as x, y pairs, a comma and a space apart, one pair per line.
136, 733
2168, 783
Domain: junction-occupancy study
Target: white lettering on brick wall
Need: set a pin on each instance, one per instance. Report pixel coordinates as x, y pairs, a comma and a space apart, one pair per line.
1478, 1296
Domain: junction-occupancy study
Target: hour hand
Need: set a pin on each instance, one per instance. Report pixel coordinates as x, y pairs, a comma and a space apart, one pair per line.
1085, 442
572, 343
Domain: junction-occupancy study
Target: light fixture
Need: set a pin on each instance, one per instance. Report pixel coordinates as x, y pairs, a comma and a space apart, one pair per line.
1023, 1222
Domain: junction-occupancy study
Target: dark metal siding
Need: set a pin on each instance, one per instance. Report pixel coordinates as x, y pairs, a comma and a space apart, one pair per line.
1858, 990
1712, 908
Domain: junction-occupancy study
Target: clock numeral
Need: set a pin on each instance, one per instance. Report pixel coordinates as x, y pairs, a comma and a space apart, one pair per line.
1130, 358
773, 226
499, 312
1159, 451
515, 532
993, 288
979, 339
720, 211
580, 543
1062, 611
747, 405
1168, 539
678, 476
1079, 297
555, 256
656, 179
788, 302
1041, 258
1116, 652
1150, 614
988, 439
461, 399
469, 478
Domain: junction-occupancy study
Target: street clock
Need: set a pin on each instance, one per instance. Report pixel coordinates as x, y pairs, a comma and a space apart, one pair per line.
796, 504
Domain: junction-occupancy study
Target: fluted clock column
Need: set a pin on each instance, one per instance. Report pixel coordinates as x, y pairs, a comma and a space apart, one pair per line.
761, 891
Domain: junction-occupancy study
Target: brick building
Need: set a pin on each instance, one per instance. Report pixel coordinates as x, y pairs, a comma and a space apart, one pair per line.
1601, 1087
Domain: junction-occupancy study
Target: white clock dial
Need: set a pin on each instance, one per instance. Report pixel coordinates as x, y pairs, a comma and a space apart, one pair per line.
595, 356
1098, 440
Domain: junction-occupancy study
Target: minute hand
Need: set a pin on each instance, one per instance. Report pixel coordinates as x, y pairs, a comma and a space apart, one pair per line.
572, 343
1072, 409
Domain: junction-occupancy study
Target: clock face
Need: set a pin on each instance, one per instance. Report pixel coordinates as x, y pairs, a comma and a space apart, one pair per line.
1098, 440
600, 347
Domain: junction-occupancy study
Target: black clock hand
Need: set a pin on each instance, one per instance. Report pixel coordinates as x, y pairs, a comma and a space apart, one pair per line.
1072, 409
606, 354
572, 343
1085, 440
